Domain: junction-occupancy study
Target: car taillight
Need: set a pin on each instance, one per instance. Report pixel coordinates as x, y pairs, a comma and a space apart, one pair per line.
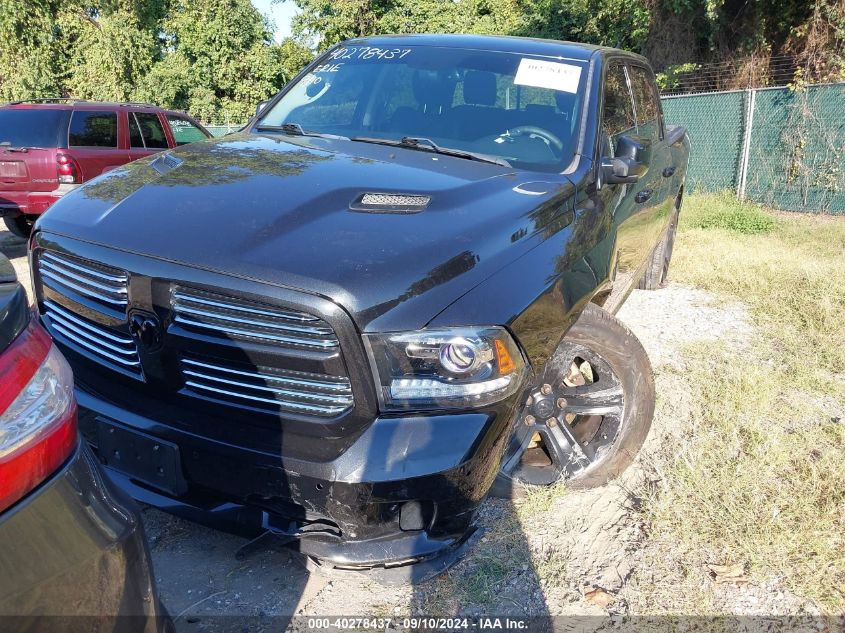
67, 169
37, 413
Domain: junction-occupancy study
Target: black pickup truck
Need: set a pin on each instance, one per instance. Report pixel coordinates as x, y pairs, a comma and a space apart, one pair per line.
389, 293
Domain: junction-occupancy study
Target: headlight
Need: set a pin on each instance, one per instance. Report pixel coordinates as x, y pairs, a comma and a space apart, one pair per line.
448, 368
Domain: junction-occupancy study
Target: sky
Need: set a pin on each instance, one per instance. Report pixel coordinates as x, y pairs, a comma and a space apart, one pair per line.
280, 13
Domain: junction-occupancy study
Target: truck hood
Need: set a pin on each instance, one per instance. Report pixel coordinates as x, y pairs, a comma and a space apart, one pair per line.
277, 209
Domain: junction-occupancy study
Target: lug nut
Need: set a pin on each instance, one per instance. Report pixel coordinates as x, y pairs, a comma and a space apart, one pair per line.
552, 422
529, 420
561, 403
546, 389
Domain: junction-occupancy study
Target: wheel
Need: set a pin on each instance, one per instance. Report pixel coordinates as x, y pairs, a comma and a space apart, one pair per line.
19, 225
657, 269
589, 417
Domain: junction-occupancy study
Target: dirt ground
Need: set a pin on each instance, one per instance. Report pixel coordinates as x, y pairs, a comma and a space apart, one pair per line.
557, 552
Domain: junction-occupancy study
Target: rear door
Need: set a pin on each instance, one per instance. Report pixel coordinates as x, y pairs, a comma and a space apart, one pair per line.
146, 134
93, 142
28, 141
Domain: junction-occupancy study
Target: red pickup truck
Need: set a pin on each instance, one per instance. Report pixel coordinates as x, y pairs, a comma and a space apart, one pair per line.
50, 146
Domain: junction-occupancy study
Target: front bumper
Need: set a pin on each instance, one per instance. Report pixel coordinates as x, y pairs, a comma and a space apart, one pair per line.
404, 492
74, 557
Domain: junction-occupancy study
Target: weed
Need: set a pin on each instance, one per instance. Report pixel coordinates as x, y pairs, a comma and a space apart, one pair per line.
725, 212
759, 478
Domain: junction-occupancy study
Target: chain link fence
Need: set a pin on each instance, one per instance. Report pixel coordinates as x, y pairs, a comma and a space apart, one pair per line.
222, 130
781, 147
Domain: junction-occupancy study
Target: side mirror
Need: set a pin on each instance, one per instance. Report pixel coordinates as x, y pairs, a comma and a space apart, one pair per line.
629, 163
260, 107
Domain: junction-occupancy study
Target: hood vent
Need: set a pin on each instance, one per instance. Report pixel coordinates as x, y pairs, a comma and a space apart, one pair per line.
390, 203
165, 163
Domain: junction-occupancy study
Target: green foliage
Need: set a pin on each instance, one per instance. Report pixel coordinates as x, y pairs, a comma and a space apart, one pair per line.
609, 22
729, 214
670, 76
214, 58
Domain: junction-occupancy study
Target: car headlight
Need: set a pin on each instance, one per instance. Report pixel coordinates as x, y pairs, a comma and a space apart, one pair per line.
445, 368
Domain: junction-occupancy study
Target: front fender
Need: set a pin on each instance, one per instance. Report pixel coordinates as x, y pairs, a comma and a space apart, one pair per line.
540, 295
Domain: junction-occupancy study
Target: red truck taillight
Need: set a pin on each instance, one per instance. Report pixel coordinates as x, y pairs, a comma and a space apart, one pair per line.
37, 413
67, 169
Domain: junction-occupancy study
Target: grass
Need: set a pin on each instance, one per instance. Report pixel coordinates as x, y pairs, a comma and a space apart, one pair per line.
759, 477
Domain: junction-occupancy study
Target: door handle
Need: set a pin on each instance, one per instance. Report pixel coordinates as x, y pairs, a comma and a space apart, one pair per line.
669, 171
643, 195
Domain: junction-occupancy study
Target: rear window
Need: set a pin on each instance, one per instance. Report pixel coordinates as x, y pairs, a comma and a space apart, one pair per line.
33, 128
184, 131
93, 129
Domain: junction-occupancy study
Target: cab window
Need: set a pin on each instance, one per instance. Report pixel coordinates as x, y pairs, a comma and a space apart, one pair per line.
645, 102
618, 111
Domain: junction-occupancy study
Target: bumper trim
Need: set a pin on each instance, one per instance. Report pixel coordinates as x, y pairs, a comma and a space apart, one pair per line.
385, 554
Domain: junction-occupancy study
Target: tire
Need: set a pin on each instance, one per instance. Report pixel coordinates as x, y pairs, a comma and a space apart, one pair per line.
624, 373
19, 225
604, 333
657, 269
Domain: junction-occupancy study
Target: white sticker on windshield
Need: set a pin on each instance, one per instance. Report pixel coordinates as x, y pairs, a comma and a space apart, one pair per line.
543, 74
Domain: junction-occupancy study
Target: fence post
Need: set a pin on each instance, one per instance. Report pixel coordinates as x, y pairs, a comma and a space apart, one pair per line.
746, 144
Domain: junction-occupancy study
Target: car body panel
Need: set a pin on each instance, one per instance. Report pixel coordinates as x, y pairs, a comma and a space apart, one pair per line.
72, 550
75, 547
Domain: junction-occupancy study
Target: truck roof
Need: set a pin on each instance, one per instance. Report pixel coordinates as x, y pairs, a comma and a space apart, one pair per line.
79, 104
523, 45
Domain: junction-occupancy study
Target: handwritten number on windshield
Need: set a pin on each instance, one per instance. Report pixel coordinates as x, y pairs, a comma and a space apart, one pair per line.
369, 53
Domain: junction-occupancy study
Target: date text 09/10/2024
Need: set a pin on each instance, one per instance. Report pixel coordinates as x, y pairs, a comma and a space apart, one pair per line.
420, 623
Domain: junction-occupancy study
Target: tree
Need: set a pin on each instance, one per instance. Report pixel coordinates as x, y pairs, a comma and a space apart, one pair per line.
669, 32
114, 45
220, 60
90, 49
32, 53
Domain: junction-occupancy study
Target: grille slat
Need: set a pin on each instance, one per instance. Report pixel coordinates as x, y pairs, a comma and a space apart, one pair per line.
105, 345
282, 327
61, 272
236, 307
237, 319
315, 394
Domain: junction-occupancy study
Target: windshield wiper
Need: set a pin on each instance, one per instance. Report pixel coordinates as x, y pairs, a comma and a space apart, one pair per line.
427, 145
7, 145
295, 129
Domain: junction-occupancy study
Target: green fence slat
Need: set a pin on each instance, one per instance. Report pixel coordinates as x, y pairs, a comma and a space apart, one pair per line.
797, 154
715, 124
796, 158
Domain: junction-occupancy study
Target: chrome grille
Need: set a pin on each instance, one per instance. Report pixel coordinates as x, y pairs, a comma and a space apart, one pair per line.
106, 345
298, 392
227, 317
93, 281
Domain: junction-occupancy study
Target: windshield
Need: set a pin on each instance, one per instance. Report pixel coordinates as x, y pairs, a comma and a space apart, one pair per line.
520, 108
33, 128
